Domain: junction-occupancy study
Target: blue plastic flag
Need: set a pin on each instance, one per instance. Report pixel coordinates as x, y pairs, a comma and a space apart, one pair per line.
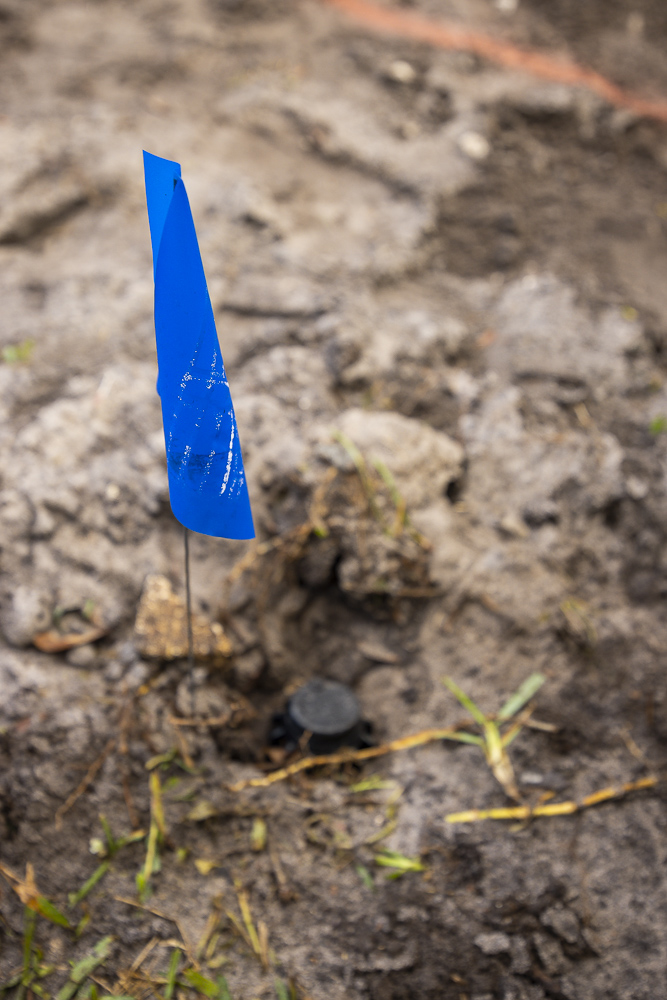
207, 484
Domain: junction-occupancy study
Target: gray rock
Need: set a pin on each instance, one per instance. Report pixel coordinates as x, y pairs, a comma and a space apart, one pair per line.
113, 671
137, 675
550, 954
127, 653
495, 943
521, 957
82, 656
562, 922
26, 612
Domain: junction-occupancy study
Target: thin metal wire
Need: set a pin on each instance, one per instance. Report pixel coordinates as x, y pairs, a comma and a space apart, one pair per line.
188, 604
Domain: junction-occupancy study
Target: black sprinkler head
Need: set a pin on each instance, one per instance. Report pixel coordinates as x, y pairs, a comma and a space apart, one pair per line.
326, 709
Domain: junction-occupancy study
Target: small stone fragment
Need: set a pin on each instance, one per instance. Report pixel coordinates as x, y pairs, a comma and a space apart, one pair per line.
636, 488
26, 613
160, 629
137, 675
550, 954
495, 943
44, 524
401, 71
520, 952
562, 922
474, 145
127, 653
514, 526
113, 671
82, 656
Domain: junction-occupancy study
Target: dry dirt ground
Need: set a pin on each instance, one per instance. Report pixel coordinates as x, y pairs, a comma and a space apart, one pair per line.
458, 270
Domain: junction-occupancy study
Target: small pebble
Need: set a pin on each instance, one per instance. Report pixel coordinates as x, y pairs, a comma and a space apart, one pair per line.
26, 613
562, 922
82, 656
44, 524
513, 525
531, 778
521, 958
550, 954
114, 670
402, 72
127, 653
495, 943
137, 675
636, 488
474, 145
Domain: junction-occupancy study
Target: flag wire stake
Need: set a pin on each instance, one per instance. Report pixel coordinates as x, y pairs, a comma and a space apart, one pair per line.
188, 604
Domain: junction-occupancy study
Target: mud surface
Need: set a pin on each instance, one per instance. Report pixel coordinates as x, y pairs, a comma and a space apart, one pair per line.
455, 270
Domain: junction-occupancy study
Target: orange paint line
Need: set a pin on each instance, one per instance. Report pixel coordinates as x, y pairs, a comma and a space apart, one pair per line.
443, 35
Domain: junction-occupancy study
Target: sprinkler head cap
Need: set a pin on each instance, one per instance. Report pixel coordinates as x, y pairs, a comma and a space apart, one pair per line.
326, 709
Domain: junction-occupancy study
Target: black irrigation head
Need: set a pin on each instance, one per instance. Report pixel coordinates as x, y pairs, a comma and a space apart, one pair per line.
329, 711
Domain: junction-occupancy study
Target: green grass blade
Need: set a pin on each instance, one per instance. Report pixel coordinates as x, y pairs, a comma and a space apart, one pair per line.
28, 937
46, 909
392, 859
171, 974
390, 483
14, 354
111, 843
373, 784
281, 990
131, 838
99, 873
365, 876
467, 702
362, 470
493, 742
521, 696
85, 967
465, 738
161, 758
223, 989
203, 985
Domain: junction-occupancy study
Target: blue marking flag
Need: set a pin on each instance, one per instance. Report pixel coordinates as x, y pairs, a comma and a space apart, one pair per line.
207, 484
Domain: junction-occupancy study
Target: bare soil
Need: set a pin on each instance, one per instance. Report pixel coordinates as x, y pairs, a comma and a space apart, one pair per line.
458, 269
